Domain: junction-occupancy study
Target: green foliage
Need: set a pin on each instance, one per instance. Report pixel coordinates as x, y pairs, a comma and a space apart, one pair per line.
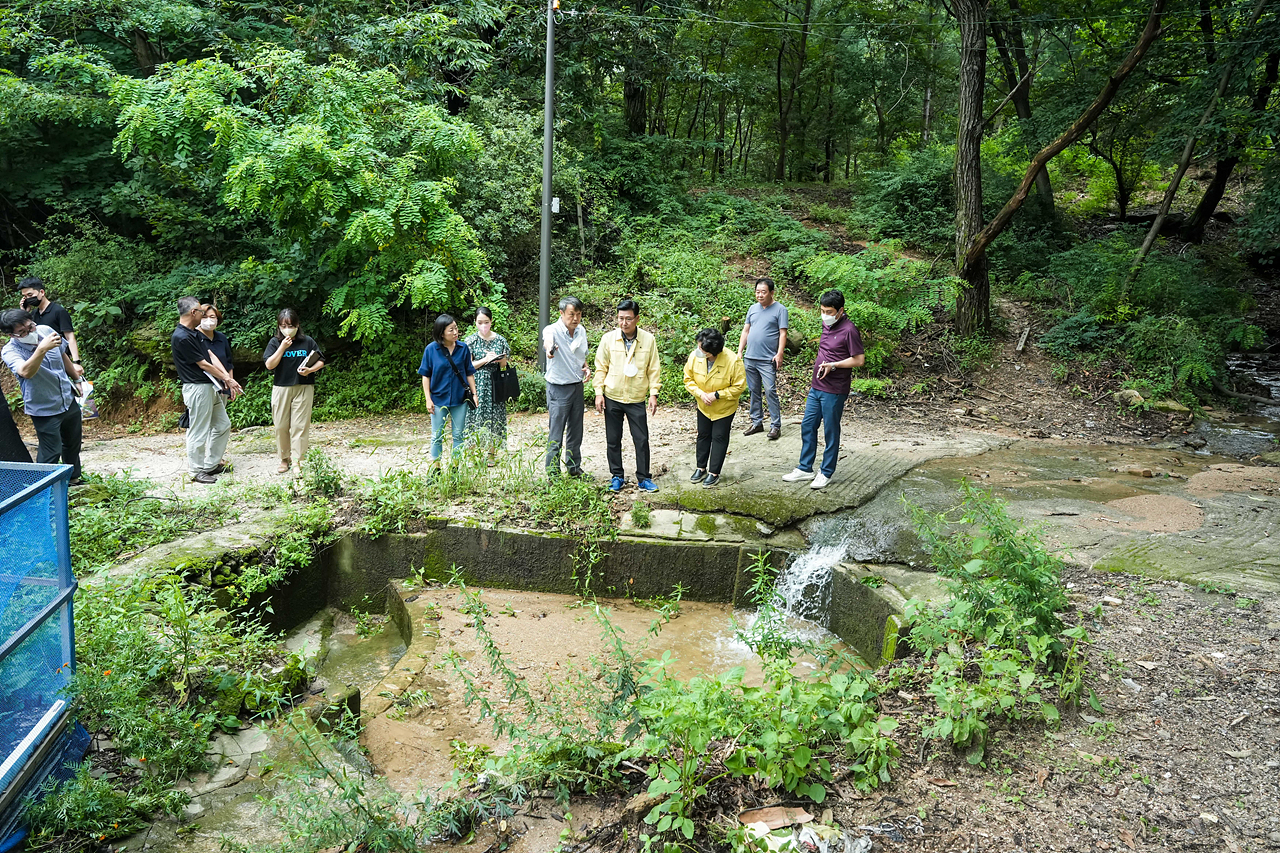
117, 513
884, 298
328, 803
1172, 327
640, 516
912, 198
342, 161
1004, 573
997, 648
320, 474
160, 667
89, 811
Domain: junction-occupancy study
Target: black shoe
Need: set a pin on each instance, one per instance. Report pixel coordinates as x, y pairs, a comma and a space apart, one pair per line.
753, 429
711, 480
698, 476
202, 477
775, 433
220, 468
75, 481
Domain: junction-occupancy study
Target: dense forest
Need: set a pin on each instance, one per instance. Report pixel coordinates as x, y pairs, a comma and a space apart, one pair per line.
375, 164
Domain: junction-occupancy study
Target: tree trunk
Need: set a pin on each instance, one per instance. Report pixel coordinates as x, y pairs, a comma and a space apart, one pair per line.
634, 104
1193, 231
1149, 34
1012, 49
784, 106
973, 307
1185, 161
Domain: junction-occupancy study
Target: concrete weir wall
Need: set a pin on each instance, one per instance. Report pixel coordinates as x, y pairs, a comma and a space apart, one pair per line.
357, 564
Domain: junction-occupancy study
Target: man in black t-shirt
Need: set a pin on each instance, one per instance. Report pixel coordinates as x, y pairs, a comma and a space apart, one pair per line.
47, 313
209, 427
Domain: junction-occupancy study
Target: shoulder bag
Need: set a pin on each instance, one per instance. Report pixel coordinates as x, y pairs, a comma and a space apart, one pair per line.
467, 396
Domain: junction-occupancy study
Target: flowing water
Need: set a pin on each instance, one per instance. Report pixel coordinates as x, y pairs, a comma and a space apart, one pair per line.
805, 584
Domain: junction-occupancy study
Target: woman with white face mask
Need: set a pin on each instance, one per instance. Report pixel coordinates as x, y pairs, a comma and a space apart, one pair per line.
219, 353
716, 378
219, 346
294, 360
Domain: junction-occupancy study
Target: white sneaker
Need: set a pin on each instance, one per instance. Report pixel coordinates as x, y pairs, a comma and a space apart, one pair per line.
797, 476
819, 481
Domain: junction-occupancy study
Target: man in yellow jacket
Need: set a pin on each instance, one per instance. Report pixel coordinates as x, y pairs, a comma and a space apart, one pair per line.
627, 372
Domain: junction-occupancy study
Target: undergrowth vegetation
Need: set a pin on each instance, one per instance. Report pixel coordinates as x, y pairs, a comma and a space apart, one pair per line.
997, 653
1171, 326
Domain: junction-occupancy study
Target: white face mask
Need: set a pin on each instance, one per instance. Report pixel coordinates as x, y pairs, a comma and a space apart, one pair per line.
288, 332
31, 339
829, 319
698, 351
209, 324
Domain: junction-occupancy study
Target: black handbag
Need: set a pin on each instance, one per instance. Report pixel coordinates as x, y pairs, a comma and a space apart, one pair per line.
506, 384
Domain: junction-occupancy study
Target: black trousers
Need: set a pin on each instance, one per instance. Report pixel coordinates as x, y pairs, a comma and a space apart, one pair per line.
11, 447
638, 420
713, 442
60, 438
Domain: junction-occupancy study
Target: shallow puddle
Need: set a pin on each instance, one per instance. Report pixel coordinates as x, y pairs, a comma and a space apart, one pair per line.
555, 644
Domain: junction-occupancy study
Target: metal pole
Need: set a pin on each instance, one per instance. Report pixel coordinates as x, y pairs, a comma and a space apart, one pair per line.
548, 119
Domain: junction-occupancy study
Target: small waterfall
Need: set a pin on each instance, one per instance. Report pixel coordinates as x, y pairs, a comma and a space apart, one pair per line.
805, 584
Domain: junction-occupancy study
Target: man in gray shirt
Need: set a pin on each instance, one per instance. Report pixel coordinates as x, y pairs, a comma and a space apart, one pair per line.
41, 360
764, 340
565, 344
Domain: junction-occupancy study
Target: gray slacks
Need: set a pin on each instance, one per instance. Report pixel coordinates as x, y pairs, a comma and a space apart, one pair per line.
763, 372
210, 428
565, 408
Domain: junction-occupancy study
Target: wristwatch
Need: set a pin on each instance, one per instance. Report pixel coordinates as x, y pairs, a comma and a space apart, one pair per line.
717, 395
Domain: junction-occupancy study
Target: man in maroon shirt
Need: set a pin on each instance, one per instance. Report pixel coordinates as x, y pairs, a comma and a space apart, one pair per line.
839, 351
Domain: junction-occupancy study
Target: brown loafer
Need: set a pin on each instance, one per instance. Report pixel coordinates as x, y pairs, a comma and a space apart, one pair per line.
775, 433
753, 429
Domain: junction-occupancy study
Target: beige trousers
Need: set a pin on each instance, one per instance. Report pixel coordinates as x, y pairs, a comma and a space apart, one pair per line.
291, 413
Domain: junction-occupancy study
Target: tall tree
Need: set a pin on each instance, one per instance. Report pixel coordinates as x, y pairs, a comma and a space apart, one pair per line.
973, 306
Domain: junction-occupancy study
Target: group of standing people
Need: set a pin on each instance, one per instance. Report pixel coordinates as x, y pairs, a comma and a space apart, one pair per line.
627, 380
461, 388
203, 359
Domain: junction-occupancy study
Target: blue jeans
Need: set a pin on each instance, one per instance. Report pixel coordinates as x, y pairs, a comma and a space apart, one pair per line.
457, 421
762, 382
828, 408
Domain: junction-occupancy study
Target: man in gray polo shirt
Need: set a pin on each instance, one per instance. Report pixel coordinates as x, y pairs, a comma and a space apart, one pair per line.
763, 342
41, 360
565, 345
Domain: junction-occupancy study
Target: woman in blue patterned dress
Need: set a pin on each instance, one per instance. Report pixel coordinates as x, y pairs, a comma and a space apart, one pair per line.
489, 352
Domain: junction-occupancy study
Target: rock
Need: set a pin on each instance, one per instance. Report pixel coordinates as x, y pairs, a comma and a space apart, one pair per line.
1128, 397
1195, 442
192, 810
1269, 458
765, 530
1171, 406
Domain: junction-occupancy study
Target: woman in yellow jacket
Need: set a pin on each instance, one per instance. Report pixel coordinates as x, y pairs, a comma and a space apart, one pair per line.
716, 378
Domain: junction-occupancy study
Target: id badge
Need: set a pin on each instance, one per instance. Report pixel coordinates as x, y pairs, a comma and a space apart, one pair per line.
630, 370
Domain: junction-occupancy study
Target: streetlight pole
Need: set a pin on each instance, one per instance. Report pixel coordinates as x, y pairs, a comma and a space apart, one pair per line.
548, 120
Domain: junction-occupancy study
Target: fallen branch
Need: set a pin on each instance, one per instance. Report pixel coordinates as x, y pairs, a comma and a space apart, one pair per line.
1252, 398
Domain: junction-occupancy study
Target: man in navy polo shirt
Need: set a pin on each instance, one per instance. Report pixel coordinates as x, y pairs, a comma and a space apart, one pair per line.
839, 351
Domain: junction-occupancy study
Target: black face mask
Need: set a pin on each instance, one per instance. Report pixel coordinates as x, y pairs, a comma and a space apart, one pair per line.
31, 302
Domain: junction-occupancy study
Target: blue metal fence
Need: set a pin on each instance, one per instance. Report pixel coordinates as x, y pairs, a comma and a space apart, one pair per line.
37, 640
